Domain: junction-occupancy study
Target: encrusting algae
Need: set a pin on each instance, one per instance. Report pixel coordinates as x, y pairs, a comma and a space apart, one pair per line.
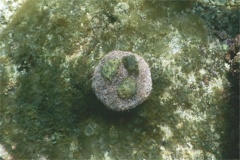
77, 77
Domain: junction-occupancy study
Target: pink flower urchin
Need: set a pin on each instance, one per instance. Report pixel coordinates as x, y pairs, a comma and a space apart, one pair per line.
107, 90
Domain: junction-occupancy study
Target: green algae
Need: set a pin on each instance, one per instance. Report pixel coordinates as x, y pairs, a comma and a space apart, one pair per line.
55, 47
128, 88
110, 68
131, 64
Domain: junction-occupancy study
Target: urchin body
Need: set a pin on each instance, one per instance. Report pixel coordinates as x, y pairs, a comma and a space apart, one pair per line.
107, 90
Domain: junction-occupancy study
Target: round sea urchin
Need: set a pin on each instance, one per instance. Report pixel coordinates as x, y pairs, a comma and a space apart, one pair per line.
124, 85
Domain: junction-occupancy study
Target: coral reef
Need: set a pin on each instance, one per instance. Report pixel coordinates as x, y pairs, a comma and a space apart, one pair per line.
235, 66
124, 91
232, 57
49, 51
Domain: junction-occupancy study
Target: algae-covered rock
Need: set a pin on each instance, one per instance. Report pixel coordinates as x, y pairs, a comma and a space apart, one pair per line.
48, 51
109, 69
128, 88
131, 64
